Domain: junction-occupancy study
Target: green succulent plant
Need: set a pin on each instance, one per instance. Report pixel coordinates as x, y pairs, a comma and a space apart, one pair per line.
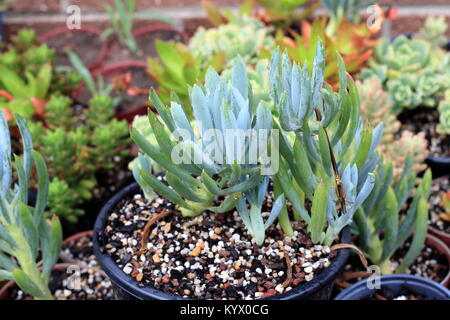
222, 106
25, 98
377, 107
343, 9
243, 36
379, 223
76, 151
29, 243
178, 68
333, 154
412, 73
444, 115
26, 56
434, 31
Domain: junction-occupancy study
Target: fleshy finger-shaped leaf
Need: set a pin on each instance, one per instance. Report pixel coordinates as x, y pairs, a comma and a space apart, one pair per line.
276, 210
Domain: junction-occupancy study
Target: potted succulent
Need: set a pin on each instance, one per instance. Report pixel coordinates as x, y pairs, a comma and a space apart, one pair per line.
229, 248
440, 209
29, 74
395, 287
30, 240
415, 73
97, 145
131, 44
376, 107
353, 41
85, 40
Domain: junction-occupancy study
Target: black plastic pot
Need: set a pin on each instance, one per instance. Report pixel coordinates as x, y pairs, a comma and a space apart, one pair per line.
125, 287
428, 288
439, 166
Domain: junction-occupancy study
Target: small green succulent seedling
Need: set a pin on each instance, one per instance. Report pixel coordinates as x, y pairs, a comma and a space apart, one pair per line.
379, 223
121, 18
76, 152
243, 36
215, 160
29, 244
434, 31
332, 155
444, 115
343, 9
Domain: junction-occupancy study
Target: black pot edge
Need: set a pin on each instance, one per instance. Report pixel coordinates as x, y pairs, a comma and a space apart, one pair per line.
130, 285
359, 290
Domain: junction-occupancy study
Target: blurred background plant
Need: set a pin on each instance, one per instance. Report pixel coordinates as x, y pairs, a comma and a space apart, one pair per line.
77, 147
26, 98
433, 31
241, 35
338, 10
178, 68
377, 107
354, 42
411, 71
25, 56
30, 244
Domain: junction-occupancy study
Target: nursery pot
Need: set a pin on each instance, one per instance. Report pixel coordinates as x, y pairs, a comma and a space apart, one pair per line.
126, 287
139, 35
62, 32
72, 238
439, 166
443, 250
428, 288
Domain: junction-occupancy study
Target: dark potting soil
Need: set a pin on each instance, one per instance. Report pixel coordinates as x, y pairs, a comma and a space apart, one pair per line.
425, 119
405, 293
430, 264
145, 43
86, 45
92, 285
211, 256
438, 188
139, 79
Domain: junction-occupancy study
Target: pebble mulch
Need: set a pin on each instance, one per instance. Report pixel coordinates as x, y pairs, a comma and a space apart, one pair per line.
210, 256
438, 187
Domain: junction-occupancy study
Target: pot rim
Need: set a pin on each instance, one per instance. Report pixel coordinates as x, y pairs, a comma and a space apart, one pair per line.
85, 28
130, 285
138, 32
350, 293
444, 250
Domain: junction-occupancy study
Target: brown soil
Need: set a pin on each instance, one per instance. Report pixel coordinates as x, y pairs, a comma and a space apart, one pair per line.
86, 45
145, 43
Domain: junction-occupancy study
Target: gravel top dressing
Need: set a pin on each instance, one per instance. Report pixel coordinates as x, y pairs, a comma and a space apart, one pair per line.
93, 285
438, 188
210, 256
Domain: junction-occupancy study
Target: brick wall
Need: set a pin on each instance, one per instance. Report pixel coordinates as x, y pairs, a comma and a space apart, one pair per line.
47, 14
